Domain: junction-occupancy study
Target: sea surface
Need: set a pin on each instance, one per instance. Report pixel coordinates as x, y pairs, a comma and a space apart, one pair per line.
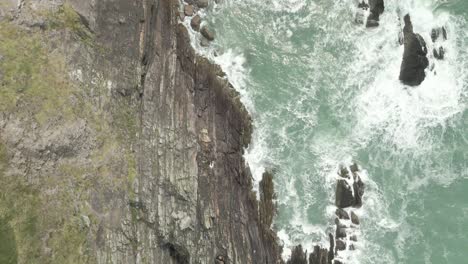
324, 91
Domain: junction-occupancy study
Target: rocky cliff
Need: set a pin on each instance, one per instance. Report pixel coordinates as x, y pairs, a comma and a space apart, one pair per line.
118, 144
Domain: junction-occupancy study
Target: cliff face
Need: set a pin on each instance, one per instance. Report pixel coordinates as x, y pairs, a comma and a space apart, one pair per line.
118, 144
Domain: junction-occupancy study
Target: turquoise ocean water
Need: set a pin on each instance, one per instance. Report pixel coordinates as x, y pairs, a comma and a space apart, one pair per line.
324, 91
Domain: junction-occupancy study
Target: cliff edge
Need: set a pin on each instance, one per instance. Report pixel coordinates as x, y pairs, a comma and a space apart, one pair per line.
118, 144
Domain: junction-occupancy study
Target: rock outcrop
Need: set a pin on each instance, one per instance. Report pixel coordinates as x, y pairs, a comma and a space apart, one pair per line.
438, 37
348, 195
375, 8
118, 144
412, 71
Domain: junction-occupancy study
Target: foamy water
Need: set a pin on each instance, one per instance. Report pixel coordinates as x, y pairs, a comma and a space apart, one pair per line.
324, 91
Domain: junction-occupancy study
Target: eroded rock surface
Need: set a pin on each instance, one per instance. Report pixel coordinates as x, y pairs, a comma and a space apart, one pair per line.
129, 147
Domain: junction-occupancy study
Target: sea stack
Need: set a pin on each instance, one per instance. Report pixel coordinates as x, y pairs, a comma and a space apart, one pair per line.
414, 57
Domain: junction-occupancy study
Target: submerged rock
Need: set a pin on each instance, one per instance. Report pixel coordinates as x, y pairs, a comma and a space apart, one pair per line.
437, 32
207, 33
414, 57
202, 3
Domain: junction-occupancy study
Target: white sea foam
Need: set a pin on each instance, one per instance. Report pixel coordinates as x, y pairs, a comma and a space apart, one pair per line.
403, 117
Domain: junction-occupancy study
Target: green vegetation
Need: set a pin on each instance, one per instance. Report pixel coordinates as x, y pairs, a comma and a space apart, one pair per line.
46, 212
31, 76
67, 18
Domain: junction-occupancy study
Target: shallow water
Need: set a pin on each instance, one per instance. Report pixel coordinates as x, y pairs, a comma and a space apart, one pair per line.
323, 91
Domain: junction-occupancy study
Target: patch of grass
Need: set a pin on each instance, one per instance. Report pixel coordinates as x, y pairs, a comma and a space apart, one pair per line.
67, 18
33, 80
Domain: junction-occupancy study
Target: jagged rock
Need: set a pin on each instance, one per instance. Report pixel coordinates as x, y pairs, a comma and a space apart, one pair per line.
298, 256
376, 9
352, 247
340, 232
340, 244
331, 250
436, 32
358, 188
439, 53
414, 57
344, 194
195, 23
342, 214
188, 10
202, 3
339, 224
361, 12
207, 33
354, 168
344, 172
353, 238
354, 218
319, 256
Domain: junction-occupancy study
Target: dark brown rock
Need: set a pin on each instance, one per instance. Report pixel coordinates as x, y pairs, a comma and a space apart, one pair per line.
207, 33
195, 23
358, 189
188, 10
353, 238
202, 3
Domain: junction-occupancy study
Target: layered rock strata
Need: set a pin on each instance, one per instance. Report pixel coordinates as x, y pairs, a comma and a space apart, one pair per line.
118, 144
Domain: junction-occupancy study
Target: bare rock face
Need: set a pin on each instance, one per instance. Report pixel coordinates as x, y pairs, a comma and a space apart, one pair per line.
131, 150
414, 57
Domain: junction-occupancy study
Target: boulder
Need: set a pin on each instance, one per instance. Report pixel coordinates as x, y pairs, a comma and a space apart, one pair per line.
204, 42
340, 244
354, 218
353, 238
207, 33
344, 195
202, 3
358, 188
342, 214
414, 56
188, 10
340, 232
195, 23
